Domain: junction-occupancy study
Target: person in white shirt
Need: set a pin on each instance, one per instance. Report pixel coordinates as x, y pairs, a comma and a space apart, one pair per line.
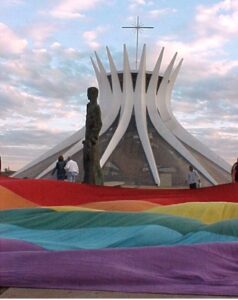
193, 178
71, 169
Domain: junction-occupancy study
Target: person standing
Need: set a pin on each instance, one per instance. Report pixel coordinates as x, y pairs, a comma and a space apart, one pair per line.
193, 178
234, 172
71, 169
59, 168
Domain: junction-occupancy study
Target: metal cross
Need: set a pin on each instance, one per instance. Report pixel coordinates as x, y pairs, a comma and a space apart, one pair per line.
138, 27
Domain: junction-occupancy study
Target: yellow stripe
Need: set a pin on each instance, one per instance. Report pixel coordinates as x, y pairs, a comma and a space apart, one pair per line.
208, 213
71, 208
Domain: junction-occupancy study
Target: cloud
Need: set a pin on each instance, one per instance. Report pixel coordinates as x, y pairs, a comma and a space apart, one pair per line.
205, 97
41, 32
221, 18
133, 4
214, 123
10, 43
42, 94
56, 72
73, 9
208, 47
43, 82
208, 109
13, 2
19, 146
155, 13
91, 37
137, 2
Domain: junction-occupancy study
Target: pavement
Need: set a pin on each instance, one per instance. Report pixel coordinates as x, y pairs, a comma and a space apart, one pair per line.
8, 293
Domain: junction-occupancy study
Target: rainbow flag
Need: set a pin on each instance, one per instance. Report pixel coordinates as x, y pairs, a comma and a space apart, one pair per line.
64, 235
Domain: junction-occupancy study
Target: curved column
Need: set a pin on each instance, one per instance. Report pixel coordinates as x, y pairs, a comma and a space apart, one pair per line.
161, 94
116, 88
126, 110
102, 94
112, 106
106, 99
171, 83
110, 110
182, 134
162, 130
140, 116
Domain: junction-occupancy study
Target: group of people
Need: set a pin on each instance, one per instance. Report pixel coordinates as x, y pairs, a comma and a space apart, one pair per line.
66, 169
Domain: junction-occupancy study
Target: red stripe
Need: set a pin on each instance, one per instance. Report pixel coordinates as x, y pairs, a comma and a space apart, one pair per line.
51, 192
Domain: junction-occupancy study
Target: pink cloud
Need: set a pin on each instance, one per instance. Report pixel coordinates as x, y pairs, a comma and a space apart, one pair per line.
72, 9
39, 33
221, 18
90, 37
10, 43
214, 26
160, 12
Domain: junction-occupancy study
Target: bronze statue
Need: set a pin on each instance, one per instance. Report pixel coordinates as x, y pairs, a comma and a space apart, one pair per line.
92, 169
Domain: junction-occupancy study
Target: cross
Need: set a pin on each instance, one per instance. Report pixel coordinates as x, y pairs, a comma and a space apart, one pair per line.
138, 27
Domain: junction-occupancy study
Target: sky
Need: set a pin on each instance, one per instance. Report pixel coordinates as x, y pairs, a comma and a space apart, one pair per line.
45, 66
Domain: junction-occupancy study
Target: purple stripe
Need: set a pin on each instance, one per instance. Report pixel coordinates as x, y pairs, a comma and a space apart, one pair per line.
17, 245
208, 269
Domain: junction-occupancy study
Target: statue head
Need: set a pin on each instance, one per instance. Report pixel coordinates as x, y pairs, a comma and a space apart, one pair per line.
92, 94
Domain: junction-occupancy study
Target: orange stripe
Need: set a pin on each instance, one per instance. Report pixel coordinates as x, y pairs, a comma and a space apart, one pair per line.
10, 200
121, 205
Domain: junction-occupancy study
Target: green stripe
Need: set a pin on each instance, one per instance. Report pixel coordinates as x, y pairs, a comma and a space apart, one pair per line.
38, 218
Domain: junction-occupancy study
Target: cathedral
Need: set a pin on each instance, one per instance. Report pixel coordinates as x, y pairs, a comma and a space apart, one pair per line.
141, 142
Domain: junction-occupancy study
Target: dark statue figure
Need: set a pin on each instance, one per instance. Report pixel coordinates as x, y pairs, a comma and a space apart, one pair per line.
92, 169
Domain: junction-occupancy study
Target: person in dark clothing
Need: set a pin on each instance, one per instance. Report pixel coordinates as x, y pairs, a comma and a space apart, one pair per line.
59, 168
234, 172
